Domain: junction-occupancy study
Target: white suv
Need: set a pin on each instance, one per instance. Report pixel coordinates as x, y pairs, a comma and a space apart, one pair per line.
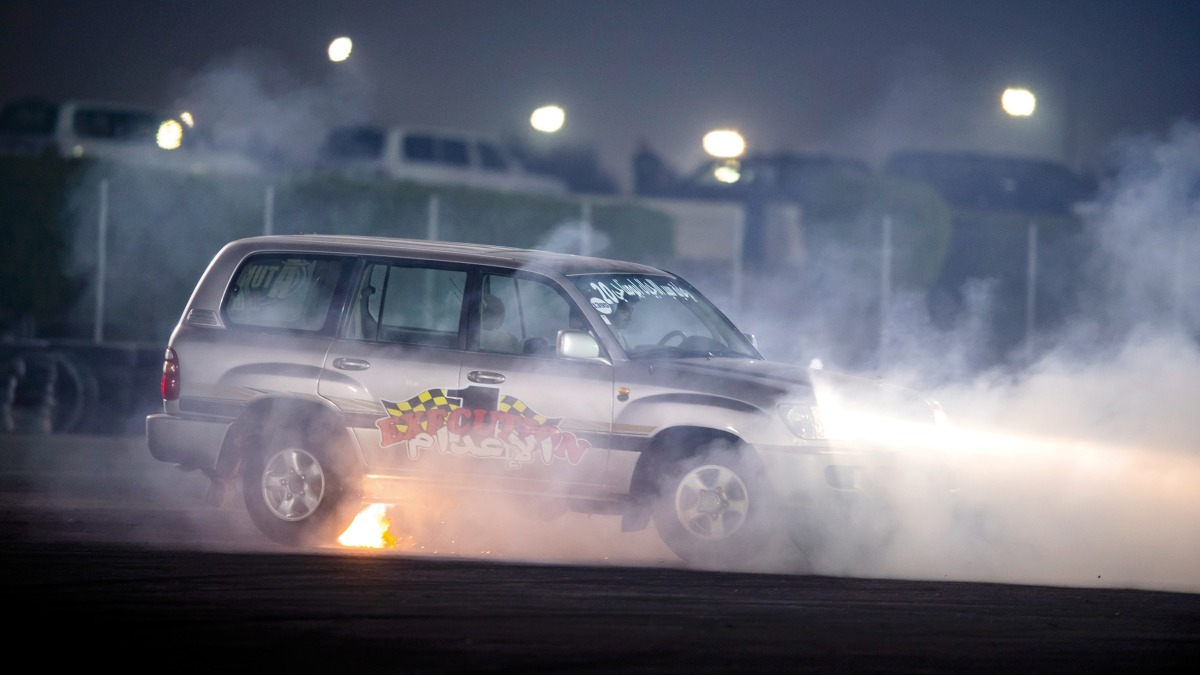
112, 132
322, 372
430, 155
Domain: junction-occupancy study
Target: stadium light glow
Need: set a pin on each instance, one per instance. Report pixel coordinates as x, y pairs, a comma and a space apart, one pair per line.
1018, 102
724, 143
340, 48
548, 118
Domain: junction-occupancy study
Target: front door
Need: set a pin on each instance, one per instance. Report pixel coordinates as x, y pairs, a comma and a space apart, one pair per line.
539, 422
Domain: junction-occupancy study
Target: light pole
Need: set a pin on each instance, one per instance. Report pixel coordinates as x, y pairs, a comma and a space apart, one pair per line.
728, 144
1020, 102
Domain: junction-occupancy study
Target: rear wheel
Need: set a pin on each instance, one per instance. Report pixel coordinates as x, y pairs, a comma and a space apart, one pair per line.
714, 508
298, 494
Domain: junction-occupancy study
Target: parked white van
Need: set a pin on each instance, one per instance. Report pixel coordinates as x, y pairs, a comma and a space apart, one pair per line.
430, 155
107, 131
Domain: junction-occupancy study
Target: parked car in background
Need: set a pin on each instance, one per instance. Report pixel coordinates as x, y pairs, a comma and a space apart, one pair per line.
430, 155
978, 180
783, 176
111, 132
321, 373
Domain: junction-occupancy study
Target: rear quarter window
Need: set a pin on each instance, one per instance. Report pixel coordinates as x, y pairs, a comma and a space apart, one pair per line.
292, 292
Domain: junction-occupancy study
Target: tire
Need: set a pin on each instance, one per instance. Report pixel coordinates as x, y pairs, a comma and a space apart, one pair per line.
298, 494
713, 507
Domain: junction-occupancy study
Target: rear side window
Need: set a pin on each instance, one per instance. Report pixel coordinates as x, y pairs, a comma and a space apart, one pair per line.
418, 148
294, 292
409, 304
454, 152
425, 148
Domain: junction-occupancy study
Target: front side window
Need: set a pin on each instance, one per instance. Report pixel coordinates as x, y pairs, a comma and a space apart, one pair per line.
409, 304
522, 315
293, 292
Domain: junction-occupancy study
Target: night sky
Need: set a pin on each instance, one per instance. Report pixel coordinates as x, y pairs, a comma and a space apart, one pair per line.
854, 77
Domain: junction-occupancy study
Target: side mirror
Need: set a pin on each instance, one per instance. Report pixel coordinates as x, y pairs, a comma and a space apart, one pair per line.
576, 344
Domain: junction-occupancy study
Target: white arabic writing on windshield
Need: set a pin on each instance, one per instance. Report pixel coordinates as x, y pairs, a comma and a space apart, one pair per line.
657, 316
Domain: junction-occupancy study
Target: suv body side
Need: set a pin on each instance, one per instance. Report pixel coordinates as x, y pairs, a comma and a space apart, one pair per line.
451, 365
431, 155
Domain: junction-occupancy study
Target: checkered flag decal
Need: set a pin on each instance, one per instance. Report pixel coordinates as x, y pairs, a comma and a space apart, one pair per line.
516, 405
426, 400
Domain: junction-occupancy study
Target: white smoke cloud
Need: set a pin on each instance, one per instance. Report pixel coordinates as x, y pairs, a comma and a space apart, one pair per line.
1079, 467
250, 103
575, 236
1075, 466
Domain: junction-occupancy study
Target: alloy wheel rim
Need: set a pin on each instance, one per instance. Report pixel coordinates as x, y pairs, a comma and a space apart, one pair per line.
712, 502
293, 484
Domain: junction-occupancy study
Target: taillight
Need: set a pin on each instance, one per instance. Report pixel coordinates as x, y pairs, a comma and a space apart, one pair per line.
170, 378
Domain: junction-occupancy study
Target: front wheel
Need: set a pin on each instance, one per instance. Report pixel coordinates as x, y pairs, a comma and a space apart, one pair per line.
297, 495
714, 508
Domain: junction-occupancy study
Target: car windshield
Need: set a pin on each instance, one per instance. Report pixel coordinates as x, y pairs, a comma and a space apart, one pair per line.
658, 316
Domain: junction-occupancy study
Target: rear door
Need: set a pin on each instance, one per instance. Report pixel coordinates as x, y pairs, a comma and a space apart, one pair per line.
394, 367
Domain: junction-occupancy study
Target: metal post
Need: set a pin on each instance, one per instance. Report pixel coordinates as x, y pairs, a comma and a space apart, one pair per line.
431, 226
885, 282
101, 262
269, 211
1177, 278
1031, 285
585, 228
739, 227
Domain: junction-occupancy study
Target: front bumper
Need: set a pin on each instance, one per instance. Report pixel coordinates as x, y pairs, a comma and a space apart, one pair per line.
800, 474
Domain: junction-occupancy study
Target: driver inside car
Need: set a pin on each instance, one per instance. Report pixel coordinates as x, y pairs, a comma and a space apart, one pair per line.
621, 316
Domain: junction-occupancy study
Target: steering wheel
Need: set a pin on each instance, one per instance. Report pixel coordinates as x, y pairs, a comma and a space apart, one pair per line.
675, 333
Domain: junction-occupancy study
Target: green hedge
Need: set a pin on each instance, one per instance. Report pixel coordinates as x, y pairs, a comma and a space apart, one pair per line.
35, 278
165, 226
846, 211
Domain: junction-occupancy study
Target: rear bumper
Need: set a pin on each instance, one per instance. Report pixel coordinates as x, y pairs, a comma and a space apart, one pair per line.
194, 443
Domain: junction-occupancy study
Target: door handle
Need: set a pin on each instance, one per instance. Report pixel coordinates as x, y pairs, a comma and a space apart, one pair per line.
485, 377
342, 363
